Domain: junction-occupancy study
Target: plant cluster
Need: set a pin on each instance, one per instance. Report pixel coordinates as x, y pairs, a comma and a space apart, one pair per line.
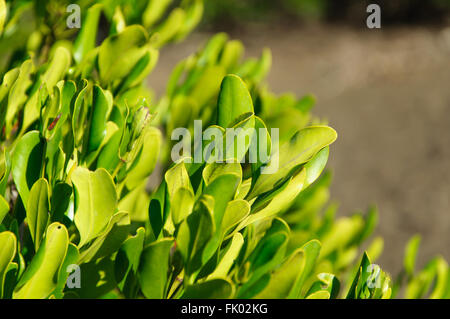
81, 134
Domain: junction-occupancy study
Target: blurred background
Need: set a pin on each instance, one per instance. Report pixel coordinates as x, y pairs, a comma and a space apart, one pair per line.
386, 91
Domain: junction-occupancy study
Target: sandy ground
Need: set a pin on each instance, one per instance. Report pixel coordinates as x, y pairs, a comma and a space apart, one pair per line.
387, 93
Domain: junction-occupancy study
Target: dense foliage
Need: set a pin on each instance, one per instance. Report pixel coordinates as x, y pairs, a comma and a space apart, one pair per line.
81, 134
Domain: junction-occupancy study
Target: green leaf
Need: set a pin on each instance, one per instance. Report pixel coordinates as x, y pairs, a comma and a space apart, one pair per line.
141, 69
5, 170
341, 234
27, 163
118, 22
194, 234
60, 201
301, 148
411, 254
71, 259
234, 101
326, 283
177, 177
235, 212
8, 245
360, 278
109, 240
3, 13
228, 259
288, 280
95, 202
316, 165
168, 29
132, 45
57, 69
310, 253
268, 254
222, 189
215, 170
158, 209
207, 85
194, 14
18, 96
181, 204
4, 208
212, 289
97, 279
231, 54
101, 108
79, 114
153, 12
146, 161
127, 263
370, 282
153, 268
38, 210
279, 202
87, 36
41, 276
136, 203
442, 275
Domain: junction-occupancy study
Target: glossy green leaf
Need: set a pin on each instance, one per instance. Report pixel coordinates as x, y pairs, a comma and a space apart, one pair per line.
95, 202
3, 13
153, 268
141, 69
326, 283
26, 163
8, 244
154, 10
56, 71
234, 101
280, 201
194, 234
18, 94
169, 28
87, 36
40, 278
228, 259
127, 263
109, 240
71, 259
235, 212
194, 13
288, 280
146, 162
207, 85
4, 208
102, 106
131, 42
38, 210
268, 254
411, 254
5, 170
316, 165
181, 204
300, 149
